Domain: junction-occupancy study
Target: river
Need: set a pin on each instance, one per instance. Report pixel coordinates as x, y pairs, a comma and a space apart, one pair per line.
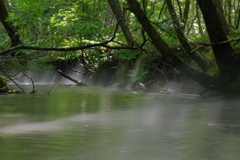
94, 123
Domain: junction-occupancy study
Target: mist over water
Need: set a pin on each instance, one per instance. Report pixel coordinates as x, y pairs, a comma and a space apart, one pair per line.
183, 85
105, 124
46, 77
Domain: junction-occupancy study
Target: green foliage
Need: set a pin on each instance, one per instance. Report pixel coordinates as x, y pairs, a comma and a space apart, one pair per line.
4, 42
56, 23
53, 22
125, 54
150, 57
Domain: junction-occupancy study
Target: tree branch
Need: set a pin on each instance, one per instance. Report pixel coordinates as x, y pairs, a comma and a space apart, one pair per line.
33, 90
50, 89
53, 49
79, 83
102, 44
11, 79
213, 44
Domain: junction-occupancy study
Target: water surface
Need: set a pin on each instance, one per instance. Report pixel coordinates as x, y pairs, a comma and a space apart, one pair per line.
94, 123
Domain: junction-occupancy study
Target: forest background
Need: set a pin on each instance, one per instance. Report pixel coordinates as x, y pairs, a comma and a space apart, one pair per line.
146, 42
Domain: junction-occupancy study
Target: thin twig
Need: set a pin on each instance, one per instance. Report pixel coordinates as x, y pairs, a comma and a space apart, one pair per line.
50, 89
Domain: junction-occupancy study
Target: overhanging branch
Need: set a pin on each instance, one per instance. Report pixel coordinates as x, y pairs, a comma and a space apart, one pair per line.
103, 44
53, 49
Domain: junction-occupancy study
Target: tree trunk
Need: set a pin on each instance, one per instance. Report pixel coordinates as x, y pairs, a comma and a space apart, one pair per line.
183, 40
166, 51
224, 52
200, 29
229, 11
161, 10
11, 30
115, 5
180, 9
185, 13
223, 20
237, 16
109, 17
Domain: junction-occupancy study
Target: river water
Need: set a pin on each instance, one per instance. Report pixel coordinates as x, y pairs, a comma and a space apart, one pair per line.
94, 123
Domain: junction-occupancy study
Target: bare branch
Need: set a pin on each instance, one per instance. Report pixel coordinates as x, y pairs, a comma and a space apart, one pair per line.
50, 89
34, 90
79, 83
54, 49
11, 79
216, 43
103, 44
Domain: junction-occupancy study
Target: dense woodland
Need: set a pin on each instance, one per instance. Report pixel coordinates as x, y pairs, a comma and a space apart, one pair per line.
195, 38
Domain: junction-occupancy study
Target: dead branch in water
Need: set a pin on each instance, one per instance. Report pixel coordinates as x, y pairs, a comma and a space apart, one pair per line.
34, 90
79, 83
50, 89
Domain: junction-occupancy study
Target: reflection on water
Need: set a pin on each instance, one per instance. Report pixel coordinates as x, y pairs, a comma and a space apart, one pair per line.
93, 123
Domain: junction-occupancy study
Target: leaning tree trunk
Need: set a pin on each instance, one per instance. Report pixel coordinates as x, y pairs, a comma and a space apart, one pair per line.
165, 50
115, 5
11, 30
183, 40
